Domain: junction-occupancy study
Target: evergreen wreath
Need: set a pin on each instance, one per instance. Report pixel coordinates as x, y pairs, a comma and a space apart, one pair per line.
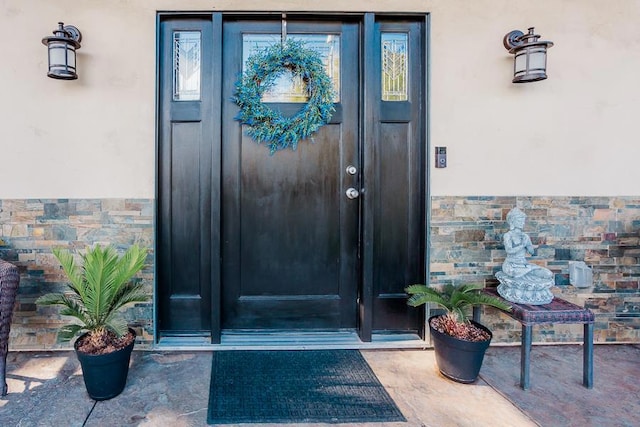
268, 126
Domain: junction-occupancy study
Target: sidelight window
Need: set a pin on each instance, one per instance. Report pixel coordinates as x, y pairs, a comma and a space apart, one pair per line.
395, 60
186, 65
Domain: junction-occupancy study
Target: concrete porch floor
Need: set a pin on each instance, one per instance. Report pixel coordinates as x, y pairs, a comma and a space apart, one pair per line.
171, 389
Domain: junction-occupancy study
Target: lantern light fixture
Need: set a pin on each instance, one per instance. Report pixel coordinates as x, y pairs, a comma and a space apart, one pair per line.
62, 51
530, 62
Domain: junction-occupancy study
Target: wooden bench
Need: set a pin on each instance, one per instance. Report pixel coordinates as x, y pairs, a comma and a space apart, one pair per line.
557, 311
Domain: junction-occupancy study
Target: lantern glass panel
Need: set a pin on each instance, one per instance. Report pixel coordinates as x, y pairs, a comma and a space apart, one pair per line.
520, 64
57, 54
71, 57
537, 58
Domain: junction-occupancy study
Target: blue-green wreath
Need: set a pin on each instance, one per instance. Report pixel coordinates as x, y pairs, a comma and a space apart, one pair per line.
270, 127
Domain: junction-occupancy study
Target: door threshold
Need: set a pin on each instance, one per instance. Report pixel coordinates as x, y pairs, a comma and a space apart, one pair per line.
232, 340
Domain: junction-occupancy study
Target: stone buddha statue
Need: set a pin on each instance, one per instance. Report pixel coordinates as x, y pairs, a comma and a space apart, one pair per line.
520, 281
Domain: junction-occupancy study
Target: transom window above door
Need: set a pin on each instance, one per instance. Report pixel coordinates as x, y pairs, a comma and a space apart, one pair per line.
287, 88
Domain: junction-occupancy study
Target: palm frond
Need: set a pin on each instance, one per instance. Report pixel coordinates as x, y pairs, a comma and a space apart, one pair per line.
129, 264
53, 299
101, 286
74, 309
71, 269
67, 332
422, 294
469, 287
117, 326
98, 268
456, 300
71, 306
483, 299
129, 294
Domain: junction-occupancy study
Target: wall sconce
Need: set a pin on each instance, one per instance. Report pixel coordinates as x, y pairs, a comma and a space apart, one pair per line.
62, 51
530, 62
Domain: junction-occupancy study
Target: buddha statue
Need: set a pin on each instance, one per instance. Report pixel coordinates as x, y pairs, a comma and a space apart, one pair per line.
520, 281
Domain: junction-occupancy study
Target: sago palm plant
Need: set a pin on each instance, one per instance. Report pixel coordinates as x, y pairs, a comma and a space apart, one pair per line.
456, 300
99, 288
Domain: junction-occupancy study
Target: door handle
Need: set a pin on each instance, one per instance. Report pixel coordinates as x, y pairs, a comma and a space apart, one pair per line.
352, 193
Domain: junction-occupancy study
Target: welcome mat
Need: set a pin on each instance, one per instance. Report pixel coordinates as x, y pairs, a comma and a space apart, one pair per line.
328, 386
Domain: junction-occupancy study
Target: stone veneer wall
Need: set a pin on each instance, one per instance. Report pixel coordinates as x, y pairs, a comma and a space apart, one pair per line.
30, 228
466, 246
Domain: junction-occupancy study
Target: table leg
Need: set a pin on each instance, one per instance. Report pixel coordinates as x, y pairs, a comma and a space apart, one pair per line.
587, 357
525, 356
476, 313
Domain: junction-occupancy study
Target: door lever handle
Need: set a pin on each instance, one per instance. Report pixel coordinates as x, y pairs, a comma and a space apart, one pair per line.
352, 193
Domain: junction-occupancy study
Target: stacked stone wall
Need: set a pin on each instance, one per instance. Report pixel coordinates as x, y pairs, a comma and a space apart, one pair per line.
466, 247
30, 228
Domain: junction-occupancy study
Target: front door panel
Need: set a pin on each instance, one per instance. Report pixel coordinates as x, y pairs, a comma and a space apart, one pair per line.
184, 270
290, 234
397, 181
252, 241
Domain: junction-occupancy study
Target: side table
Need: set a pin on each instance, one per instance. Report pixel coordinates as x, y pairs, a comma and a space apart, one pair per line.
557, 311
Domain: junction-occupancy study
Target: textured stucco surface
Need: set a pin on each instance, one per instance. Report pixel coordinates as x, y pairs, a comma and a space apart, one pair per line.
568, 135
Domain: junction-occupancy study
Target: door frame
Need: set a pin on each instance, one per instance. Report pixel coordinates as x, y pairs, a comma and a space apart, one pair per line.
368, 101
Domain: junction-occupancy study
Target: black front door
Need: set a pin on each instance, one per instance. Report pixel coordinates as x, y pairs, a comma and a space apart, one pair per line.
290, 234
248, 241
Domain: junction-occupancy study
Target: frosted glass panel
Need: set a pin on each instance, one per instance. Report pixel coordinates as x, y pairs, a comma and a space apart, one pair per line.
186, 65
395, 65
71, 58
520, 64
537, 59
57, 54
286, 88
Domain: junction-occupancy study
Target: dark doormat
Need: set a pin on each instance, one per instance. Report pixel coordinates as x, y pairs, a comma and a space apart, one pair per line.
329, 386
556, 397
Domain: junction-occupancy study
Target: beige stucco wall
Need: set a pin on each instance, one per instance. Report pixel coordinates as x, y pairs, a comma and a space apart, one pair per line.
573, 134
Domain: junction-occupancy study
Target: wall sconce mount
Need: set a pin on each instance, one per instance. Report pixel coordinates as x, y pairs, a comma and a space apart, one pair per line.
62, 51
530, 62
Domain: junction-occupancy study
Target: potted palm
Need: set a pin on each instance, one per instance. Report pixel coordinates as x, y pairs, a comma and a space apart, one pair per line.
97, 291
459, 343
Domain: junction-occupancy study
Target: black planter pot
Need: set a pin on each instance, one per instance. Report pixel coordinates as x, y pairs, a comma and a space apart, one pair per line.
105, 375
457, 359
